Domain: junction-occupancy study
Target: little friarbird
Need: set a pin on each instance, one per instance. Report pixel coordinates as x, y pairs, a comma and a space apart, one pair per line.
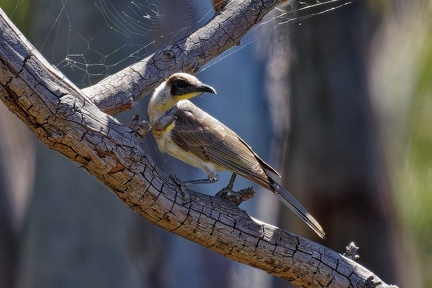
186, 132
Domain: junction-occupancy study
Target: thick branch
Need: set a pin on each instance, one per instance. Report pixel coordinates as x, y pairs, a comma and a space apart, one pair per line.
117, 92
67, 121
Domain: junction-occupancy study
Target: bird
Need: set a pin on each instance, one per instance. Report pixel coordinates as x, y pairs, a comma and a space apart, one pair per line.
191, 135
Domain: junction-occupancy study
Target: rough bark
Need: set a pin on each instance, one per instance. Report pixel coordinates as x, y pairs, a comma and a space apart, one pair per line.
68, 121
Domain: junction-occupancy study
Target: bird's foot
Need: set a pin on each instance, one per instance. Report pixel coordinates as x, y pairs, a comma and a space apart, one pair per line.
181, 185
351, 251
236, 197
141, 128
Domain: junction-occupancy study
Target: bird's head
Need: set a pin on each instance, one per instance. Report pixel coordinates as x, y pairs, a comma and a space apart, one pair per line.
179, 86
185, 86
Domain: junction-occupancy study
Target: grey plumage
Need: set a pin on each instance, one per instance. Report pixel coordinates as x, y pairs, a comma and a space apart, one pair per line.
188, 133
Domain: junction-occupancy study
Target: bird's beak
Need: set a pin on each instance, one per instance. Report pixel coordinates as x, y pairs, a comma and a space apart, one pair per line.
192, 90
201, 87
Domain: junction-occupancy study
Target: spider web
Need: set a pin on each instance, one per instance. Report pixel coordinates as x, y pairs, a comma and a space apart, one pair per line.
89, 40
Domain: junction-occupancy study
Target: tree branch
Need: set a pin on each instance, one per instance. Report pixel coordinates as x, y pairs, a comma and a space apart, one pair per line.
69, 122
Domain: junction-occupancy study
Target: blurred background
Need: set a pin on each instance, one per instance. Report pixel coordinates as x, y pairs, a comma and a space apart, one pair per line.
338, 100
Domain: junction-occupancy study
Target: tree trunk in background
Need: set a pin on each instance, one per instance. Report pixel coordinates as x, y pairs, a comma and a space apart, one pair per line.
17, 160
334, 161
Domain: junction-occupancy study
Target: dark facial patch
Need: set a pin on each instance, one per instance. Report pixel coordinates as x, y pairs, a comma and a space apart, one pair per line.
180, 87
182, 84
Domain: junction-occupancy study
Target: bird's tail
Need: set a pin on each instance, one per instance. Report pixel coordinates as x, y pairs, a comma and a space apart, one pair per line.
296, 207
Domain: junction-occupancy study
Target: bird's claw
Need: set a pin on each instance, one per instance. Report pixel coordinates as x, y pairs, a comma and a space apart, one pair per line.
351, 251
181, 185
236, 197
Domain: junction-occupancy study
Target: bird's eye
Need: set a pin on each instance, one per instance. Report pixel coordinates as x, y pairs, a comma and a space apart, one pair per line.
179, 87
180, 84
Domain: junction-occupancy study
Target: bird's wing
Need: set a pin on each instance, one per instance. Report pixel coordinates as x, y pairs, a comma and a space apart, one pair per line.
197, 132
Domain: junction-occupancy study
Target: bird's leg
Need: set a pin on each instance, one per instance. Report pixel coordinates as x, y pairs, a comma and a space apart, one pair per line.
233, 196
212, 178
231, 182
183, 185
227, 191
199, 181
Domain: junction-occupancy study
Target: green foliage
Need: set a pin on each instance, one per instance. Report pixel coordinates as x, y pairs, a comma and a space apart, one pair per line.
420, 150
19, 12
416, 181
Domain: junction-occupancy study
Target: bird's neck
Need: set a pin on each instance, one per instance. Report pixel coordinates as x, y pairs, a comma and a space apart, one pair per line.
159, 104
